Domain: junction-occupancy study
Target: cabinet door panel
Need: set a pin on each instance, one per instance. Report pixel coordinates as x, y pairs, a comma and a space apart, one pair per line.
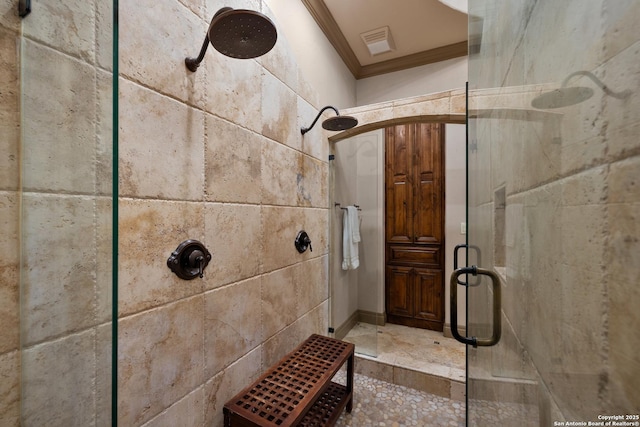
399, 184
429, 196
399, 291
429, 300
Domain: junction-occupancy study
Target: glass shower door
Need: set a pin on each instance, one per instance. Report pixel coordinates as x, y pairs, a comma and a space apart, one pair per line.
552, 214
357, 179
68, 204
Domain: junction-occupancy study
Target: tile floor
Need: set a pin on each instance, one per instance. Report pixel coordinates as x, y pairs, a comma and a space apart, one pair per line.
406, 377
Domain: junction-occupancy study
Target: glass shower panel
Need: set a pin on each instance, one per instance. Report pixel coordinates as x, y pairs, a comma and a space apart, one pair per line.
552, 136
67, 200
356, 295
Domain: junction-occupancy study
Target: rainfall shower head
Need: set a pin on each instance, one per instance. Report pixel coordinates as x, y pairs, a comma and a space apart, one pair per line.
237, 33
566, 96
333, 123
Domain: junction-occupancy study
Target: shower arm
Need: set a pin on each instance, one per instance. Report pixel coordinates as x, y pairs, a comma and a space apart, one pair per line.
605, 89
305, 130
193, 63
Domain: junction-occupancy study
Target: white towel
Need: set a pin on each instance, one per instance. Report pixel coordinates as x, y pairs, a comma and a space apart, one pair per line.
350, 238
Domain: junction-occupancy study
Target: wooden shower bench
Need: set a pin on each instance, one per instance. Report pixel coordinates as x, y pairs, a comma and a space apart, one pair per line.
297, 391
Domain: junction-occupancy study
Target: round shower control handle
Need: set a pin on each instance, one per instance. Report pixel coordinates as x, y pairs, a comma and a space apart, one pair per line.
189, 260
302, 242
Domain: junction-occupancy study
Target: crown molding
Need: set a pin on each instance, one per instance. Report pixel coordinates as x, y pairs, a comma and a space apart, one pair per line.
329, 27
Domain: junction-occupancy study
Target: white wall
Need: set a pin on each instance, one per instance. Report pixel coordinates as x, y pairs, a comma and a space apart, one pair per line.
319, 62
430, 78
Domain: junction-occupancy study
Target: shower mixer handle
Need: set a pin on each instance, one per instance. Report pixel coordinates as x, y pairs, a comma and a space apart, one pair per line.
302, 242
189, 260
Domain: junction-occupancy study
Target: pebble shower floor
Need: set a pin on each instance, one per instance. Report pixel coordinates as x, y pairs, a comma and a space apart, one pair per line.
378, 403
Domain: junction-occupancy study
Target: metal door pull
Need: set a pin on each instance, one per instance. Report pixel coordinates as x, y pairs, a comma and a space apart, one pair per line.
497, 321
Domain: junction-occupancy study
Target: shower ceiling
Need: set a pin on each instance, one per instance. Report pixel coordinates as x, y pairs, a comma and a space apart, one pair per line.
424, 31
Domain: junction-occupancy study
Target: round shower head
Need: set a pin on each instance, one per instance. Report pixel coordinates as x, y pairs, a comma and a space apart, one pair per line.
340, 123
562, 97
241, 33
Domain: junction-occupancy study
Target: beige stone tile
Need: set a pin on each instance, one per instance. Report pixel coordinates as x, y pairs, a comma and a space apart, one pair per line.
233, 325
149, 231
58, 381
279, 61
188, 411
274, 348
161, 146
9, 15
279, 300
9, 110
197, 7
458, 391
623, 251
153, 54
58, 284
374, 369
10, 389
60, 136
622, 141
421, 381
233, 162
310, 279
104, 35
104, 134
160, 360
316, 223
313, 142
233, 88
313, 183
621, 75
104, 371
281, 226
104, 261
282, 174
619, 26
225, 385
9, 272
429, 106
279, 112
234, 236
68, 27
212, 6
307, 91
315, 321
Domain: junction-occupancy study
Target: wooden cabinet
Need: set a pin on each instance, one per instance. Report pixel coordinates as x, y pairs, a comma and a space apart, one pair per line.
414, 230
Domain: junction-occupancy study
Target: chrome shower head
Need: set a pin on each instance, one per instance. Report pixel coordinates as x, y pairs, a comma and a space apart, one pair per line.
333, 123
237, 33
566, 96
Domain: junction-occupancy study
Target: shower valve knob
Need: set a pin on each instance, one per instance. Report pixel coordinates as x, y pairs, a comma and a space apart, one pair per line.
189, 260
302, 242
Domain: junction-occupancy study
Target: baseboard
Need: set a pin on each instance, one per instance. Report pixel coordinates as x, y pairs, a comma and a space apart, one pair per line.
342, 330
359, 316
371, 317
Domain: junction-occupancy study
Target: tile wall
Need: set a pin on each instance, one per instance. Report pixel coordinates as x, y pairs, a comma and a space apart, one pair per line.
214, 155
570, 225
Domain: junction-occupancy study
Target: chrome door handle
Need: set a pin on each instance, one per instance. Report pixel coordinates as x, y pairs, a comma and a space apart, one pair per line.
497, 324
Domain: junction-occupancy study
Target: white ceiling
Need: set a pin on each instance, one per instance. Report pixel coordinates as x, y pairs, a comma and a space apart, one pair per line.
424, 31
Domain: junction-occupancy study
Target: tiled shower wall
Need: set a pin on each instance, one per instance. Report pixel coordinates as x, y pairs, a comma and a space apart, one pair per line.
214, 155
9, 214
554, 203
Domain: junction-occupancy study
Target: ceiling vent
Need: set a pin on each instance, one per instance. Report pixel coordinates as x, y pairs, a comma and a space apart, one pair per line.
378, 41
